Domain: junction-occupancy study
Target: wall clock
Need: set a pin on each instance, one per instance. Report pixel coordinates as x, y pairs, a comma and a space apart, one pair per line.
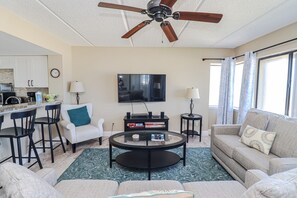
55, 73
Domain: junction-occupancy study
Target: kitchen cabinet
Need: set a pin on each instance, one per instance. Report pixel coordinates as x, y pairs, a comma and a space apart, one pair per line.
30, 71
6, 62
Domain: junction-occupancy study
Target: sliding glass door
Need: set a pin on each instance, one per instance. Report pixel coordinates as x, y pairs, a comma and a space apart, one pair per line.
277, 84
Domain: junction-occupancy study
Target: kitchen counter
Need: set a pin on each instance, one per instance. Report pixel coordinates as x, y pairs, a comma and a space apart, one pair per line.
7, 109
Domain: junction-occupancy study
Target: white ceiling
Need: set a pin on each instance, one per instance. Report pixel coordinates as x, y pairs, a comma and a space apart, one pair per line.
82, 23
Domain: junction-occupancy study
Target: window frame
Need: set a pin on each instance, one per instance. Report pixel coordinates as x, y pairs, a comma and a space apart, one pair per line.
289, 77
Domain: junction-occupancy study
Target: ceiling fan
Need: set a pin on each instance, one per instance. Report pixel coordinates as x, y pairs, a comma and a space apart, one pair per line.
159, 10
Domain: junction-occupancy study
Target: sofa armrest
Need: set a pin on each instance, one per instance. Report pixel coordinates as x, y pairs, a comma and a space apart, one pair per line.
67, 125
49, 175
277, 165
252, 176
69, 131
98, 123
225, 129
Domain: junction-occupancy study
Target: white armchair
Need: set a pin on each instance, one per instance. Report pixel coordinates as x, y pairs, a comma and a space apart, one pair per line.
81, 133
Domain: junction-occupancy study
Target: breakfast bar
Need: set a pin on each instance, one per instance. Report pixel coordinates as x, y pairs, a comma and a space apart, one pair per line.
6, 111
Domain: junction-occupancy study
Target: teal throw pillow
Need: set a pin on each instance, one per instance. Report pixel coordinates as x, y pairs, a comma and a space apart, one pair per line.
79, 116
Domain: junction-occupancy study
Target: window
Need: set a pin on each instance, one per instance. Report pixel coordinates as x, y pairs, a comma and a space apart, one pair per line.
276, 86
237, 84
214, 84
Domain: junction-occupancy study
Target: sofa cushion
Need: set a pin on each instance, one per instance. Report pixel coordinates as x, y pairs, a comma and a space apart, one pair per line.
159, 194
214, 189
86, 132
227, 143
285, 141
258, 139
87, 188
251, 158
129, 187
255, 118
79, 116
20, 182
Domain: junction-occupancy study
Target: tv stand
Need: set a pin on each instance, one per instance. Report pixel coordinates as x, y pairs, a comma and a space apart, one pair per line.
146, 123
140, 115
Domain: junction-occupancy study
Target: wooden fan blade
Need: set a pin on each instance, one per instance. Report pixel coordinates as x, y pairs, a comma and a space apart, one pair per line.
169, 3
136, 29
169, 31
198, 16
120, 7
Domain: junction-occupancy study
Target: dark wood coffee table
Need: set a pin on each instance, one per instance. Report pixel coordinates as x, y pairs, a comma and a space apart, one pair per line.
147, 153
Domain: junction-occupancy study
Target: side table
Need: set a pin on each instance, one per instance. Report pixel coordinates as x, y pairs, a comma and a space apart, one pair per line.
190, 118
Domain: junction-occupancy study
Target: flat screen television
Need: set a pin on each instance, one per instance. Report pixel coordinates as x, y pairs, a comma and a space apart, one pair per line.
141, 88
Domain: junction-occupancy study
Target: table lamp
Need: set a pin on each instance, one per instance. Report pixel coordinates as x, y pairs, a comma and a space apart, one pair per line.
192, 93
77, 87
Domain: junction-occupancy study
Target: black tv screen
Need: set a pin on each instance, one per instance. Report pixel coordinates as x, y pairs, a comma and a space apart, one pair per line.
141, 87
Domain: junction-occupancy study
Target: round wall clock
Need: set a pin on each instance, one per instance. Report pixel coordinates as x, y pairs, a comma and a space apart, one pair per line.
55, 73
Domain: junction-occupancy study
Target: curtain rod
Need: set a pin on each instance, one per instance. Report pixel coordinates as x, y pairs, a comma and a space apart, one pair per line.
259, 50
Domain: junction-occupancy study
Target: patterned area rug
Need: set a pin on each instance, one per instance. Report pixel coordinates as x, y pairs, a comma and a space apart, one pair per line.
94, 164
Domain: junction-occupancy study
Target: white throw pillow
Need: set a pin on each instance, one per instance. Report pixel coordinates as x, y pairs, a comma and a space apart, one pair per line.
159, 194
20, 182
258, 139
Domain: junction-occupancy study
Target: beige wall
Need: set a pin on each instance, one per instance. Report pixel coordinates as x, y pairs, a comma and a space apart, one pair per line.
278, 36
97, 69
18, 27
55, 61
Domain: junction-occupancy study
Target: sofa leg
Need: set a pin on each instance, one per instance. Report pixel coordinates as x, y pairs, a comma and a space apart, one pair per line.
67, 142
73, 148
100, 141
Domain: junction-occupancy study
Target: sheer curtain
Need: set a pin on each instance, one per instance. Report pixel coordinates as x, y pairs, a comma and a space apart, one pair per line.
247, 85
225, 108
293, 105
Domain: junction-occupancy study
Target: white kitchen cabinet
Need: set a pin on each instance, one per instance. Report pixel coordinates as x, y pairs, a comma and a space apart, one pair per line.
31, 71
6, 62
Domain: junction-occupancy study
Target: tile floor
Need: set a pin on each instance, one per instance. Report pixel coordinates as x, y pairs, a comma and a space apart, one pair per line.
63, 160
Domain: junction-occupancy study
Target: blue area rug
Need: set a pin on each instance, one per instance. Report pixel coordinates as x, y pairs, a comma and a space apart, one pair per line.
94, 164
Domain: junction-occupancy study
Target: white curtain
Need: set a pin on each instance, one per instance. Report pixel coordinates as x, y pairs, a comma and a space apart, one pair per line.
294, 88
225, 108
247, 85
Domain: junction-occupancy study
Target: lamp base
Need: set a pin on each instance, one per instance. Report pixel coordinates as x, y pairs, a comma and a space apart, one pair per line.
77, 98
191, 108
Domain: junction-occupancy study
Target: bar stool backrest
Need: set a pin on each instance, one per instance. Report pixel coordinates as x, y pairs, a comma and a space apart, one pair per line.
53, 113
1, 121
26, 121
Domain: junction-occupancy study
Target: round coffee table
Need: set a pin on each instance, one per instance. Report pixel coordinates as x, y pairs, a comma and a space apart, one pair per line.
147, 149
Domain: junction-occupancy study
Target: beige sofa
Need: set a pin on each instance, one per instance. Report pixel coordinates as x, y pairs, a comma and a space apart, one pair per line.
17, 181
237, 158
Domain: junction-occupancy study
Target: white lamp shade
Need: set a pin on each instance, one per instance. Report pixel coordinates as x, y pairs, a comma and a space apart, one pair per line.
77, 87
193, 93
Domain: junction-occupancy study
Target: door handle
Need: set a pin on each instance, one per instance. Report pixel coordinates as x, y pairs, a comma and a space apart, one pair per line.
28, 83
32, 83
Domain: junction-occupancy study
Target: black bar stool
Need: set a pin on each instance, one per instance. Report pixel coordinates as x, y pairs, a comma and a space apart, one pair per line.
1, 121
53, 117
23, 127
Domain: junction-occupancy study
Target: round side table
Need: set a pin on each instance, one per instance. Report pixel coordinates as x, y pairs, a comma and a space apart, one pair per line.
190, 121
